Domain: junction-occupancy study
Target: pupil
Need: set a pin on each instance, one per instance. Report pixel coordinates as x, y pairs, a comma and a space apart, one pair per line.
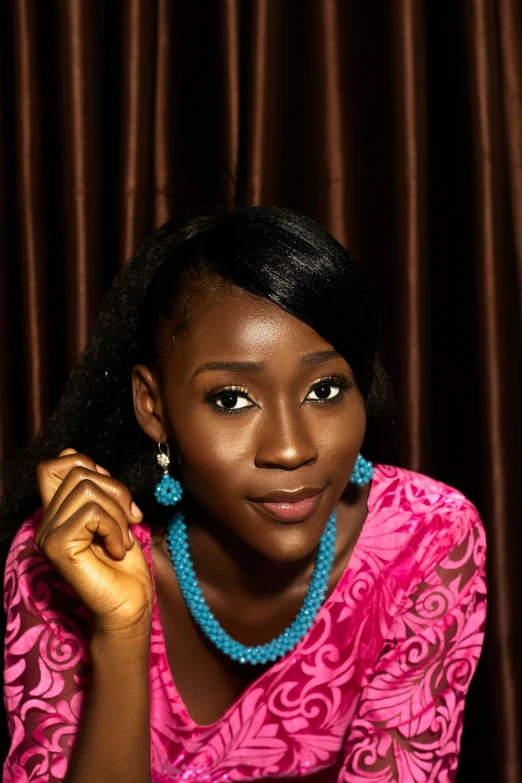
325, 387
231, 398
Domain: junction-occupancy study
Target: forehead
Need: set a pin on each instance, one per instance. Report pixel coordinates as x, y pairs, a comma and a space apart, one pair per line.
227, 320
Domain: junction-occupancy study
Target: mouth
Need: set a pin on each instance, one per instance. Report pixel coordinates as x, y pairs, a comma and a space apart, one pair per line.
292, 511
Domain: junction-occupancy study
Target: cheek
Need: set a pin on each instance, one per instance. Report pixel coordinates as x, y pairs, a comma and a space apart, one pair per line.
216, 452
339, 437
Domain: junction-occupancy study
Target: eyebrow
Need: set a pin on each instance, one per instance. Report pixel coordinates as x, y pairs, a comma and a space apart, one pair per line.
307, 360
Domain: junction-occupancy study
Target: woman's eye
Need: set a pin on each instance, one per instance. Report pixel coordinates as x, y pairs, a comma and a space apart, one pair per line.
229, 400
323, 391
236, 399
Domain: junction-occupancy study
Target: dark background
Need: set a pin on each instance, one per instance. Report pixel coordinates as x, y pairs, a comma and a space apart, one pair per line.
397, 124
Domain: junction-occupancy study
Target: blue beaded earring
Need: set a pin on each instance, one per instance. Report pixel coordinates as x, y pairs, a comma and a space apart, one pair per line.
362, 472
169, 491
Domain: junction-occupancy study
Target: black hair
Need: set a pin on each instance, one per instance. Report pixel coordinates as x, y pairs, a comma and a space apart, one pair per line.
272, 252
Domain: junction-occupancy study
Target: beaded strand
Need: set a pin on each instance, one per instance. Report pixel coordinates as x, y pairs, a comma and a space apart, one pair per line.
201, 613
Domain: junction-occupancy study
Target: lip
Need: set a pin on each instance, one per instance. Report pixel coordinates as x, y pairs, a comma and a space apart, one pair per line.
288, 495
284, 509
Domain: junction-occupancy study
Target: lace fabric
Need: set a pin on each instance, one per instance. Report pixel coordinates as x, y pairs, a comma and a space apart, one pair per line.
46, 662
410, 716
374, 692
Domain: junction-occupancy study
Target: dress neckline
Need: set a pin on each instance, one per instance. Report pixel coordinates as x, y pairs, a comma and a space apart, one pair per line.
188, 721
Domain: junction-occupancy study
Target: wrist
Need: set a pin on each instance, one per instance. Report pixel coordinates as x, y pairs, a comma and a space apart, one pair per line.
131, 644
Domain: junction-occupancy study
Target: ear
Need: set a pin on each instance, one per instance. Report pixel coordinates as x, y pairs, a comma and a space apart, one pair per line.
148, 403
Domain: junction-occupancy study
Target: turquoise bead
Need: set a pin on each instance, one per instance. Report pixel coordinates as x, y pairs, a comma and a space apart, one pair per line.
362, 472
169, 491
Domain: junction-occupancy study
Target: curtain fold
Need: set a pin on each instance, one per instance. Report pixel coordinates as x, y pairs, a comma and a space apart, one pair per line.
411, 215
500, 343
229, 66
334, 128
77, 71
138, 75
510, 22
27, 111
258, 108
398, 126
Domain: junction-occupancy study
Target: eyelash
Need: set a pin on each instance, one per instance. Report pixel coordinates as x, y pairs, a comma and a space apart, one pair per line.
217, 392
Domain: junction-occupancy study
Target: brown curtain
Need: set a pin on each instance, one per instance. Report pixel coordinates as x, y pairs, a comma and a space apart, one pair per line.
396, 124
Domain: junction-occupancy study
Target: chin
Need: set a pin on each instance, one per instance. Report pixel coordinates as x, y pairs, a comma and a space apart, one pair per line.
290, 544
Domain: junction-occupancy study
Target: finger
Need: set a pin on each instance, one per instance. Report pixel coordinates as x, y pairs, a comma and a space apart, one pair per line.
63, 543
81, 472
50, 473
66, 452
88, 490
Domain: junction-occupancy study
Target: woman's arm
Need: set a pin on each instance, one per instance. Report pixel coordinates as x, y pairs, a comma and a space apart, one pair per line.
81, 551
77, 702
113, 741
409, 721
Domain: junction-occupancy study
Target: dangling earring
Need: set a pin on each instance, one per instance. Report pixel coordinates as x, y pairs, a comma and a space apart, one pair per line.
362, 472
169, 491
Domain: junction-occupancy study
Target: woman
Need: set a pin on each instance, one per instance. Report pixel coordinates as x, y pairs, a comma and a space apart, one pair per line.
217, 586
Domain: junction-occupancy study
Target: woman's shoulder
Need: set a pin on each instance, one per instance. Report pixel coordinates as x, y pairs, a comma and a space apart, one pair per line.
396, 488
33, 586
22, 545
432, 515
46, 657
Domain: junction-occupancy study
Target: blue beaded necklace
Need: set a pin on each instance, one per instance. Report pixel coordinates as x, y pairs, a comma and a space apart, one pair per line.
200, 611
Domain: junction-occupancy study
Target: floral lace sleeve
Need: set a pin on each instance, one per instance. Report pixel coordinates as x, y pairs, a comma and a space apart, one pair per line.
409, 722
46, 663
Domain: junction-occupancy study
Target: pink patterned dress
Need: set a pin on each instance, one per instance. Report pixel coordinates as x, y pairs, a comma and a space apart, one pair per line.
374, 693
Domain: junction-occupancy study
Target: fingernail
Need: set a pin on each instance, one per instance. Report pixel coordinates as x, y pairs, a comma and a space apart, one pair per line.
102, 470
131, 535
135, 510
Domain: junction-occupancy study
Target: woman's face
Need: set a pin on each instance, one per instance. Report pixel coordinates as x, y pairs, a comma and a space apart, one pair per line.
254, 401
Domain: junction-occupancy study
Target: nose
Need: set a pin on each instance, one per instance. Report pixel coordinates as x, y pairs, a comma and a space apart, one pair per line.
285, 442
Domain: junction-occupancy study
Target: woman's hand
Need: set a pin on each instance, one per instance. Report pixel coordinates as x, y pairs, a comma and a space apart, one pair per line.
85, 534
